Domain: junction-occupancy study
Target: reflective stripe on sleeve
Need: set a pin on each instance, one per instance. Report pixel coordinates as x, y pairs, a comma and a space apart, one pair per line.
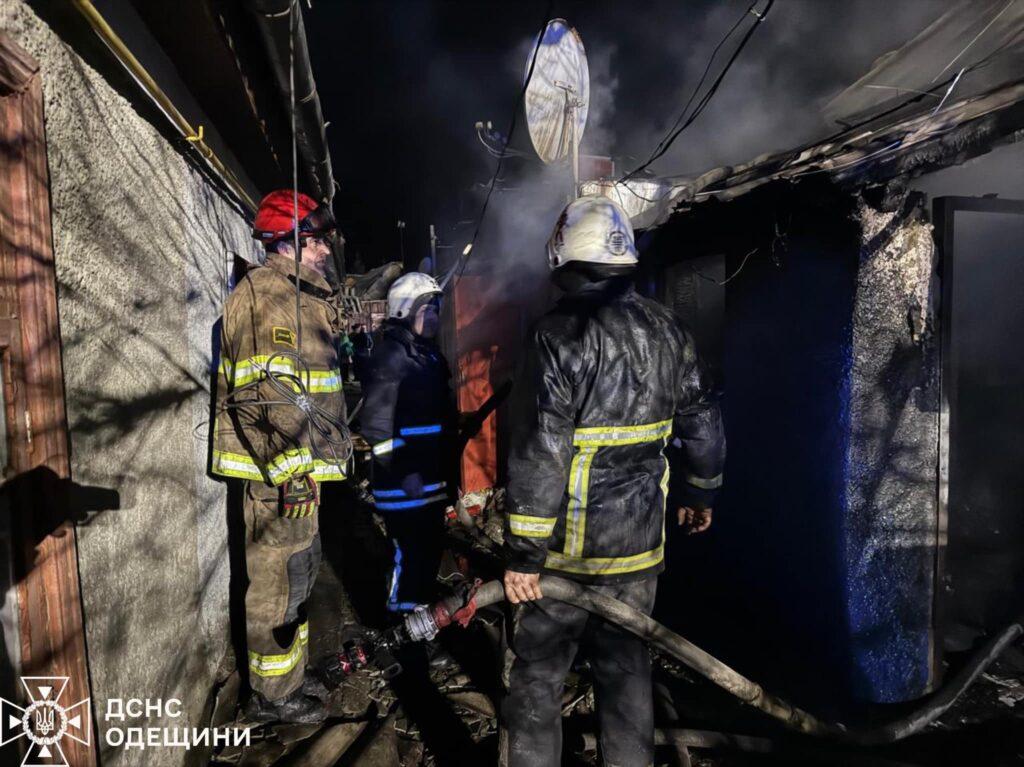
280, 468
526, 526
399, 493
712, 483
235, 465
388, 446
288, 464
279, 665
420, 431
412, 503
328, 472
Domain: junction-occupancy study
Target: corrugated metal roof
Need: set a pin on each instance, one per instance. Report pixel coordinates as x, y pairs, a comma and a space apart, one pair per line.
958, 91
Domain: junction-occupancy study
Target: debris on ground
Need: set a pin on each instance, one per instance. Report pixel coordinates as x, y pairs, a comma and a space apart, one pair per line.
379, 722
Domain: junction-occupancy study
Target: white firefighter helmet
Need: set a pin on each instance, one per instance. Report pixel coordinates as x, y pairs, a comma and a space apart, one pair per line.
595, 230
406, 292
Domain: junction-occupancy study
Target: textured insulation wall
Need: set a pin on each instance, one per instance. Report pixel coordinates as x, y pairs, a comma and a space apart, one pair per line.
892, 456
142, 255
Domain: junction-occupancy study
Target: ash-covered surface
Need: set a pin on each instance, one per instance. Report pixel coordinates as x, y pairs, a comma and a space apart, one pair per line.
892, 456
449, 717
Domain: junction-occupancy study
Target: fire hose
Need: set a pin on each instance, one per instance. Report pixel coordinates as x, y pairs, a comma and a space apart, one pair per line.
425, 622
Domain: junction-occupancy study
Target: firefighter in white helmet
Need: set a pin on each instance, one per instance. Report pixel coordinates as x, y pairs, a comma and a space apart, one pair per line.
611, 393
409, 418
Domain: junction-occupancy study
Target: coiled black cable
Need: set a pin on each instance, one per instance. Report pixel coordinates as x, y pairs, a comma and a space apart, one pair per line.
293, 388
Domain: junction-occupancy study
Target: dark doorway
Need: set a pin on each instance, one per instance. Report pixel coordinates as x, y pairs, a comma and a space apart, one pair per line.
982, 432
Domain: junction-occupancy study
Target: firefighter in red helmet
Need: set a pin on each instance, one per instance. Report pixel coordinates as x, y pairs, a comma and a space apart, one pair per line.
273, 449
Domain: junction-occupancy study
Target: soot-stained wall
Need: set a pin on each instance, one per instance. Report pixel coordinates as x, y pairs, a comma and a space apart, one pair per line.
816, 576
891, 463
142, 246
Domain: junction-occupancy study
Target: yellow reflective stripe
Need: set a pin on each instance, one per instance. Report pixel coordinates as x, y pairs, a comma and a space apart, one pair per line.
531, 527
279, 665
605, 565
576, 513
253, 368
256, 367
242, 466
664, 486
712, 483
588, 440
321, 381
606, 436
286, 465
322, 470
235, 465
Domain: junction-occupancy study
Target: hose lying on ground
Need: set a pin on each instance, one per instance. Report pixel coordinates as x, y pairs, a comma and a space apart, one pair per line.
751, 693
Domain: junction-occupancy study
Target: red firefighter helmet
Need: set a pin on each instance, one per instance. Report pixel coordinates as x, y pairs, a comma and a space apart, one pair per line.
275, 218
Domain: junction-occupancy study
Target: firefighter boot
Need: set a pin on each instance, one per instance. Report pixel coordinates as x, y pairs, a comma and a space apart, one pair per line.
438, 658
297, 708
314, 687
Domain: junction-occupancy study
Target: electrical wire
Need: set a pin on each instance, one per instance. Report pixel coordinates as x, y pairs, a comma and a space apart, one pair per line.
292, 385
497, 152
894, 145
293, 389
951, 82
704, 74
681, 125
459, 268
294, 14
973, 40
728, 279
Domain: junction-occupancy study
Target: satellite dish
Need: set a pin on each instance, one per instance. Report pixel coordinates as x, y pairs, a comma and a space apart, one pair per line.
558, 94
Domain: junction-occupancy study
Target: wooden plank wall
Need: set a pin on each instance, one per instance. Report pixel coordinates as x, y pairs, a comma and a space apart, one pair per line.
50, 612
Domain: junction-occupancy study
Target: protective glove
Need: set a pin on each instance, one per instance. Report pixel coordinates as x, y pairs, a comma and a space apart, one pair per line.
413, 486
300, 497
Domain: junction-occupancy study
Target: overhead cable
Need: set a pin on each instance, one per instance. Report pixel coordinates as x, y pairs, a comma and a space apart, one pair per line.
682, 124
460, 266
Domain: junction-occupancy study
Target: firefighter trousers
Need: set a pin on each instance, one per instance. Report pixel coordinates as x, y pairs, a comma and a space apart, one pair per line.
282, 558
418, 539
545, 637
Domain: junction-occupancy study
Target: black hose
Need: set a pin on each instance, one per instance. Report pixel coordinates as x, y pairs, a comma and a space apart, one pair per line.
751, 693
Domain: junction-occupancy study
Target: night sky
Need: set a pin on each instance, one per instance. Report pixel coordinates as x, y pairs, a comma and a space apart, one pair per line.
402, 84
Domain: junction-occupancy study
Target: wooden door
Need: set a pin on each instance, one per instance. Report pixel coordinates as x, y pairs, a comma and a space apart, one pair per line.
44, 554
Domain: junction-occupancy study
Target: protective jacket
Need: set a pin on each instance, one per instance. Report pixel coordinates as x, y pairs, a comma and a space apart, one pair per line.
610, 380
409, 419
273, 442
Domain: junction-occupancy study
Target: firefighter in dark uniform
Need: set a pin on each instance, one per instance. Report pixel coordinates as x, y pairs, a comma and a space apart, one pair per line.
409, 419
614, 393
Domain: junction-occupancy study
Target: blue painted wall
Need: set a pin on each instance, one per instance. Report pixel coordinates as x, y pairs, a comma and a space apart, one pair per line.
770, 588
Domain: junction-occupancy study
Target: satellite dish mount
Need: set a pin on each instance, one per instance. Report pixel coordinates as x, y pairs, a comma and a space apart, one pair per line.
569, 124
557, 97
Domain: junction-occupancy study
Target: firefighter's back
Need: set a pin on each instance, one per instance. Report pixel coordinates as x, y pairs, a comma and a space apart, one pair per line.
623, 355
